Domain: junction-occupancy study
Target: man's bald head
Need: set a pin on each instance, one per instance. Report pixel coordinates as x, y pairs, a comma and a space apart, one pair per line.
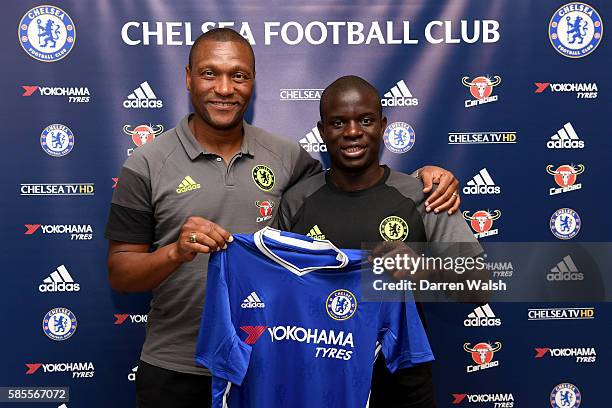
344, 84
220, 35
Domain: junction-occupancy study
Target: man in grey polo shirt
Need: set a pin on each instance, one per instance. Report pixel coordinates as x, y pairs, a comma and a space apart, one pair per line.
176, 192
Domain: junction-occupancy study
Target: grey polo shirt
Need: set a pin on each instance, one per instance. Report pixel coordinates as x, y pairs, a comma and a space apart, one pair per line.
172, 178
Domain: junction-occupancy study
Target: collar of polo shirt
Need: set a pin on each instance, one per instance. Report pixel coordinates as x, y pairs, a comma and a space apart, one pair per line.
195, 149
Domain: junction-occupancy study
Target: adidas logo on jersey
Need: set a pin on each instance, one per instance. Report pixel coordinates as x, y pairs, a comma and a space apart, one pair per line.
142, 97
565, 138
312, 142
316, 233
59, 281
399, 95
565, 271
481, 183
187, 184
252, 302
482, 316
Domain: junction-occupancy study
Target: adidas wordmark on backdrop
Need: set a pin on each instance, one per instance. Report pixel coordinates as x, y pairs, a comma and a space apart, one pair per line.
143, 97
314, 342
481, 183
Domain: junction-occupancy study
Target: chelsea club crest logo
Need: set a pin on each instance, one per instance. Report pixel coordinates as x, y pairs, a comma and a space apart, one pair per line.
47, 33
565, 223
565, 395
341, 304
59, 324
263, 176
399, 137
393, 228
575, 30
57, 140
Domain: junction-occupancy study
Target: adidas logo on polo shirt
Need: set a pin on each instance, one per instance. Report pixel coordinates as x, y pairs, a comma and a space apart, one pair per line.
59, 281
565, 271
565, 138
312, 142
187, 184
143, 97
399, 95
252, 301
482, 316
316, 233
481, 183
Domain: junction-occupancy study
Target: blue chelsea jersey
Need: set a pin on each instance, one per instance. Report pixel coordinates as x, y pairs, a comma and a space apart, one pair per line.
283, 325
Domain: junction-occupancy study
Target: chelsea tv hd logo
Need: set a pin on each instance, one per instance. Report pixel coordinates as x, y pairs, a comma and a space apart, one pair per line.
47, 33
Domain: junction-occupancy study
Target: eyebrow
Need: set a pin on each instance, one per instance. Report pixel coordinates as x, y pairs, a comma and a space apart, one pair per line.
235, 67
373, 113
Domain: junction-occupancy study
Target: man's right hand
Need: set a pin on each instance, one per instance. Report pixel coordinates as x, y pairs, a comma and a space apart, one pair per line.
132, 268
199, 235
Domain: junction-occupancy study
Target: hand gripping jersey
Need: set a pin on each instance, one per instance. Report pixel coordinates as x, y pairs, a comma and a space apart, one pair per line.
283, 325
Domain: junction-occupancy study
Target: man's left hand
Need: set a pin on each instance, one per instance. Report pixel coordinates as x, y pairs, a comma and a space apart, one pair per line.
446, 196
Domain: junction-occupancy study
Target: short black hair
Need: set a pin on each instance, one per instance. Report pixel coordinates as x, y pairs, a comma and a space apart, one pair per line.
344, 84
221, 35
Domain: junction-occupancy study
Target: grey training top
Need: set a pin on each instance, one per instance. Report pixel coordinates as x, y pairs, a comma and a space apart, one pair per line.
172, 178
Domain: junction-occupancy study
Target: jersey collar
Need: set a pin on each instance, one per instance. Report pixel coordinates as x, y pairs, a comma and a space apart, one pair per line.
310, 244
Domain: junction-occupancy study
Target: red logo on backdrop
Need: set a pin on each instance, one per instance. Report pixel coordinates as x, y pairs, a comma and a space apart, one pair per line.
482, 353
142, 134
481, 87
121, 318
458, 398
254, 332
115, 180
32, 368
541, 352
565, 175
482, 222
31, 228
28, 90
541, 86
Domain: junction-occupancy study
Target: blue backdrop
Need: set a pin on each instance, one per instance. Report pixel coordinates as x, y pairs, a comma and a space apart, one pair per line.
488, 87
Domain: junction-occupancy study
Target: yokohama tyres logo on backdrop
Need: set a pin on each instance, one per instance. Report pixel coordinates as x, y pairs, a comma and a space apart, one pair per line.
121, 318
73, 94
83, 369
493, 400
76, 232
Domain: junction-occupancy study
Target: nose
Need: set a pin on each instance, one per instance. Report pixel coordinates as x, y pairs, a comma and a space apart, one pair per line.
353, 129
224, 86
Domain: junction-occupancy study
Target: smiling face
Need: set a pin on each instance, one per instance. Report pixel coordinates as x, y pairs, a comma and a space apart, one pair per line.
221, 80
352, 127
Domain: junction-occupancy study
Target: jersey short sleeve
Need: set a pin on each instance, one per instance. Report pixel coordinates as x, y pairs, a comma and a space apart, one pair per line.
404, 341
218, 347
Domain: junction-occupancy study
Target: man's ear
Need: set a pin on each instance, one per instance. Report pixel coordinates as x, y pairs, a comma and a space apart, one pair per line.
188, 78
383, 123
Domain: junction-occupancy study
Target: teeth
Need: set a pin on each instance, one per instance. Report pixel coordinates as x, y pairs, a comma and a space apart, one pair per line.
353, 149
